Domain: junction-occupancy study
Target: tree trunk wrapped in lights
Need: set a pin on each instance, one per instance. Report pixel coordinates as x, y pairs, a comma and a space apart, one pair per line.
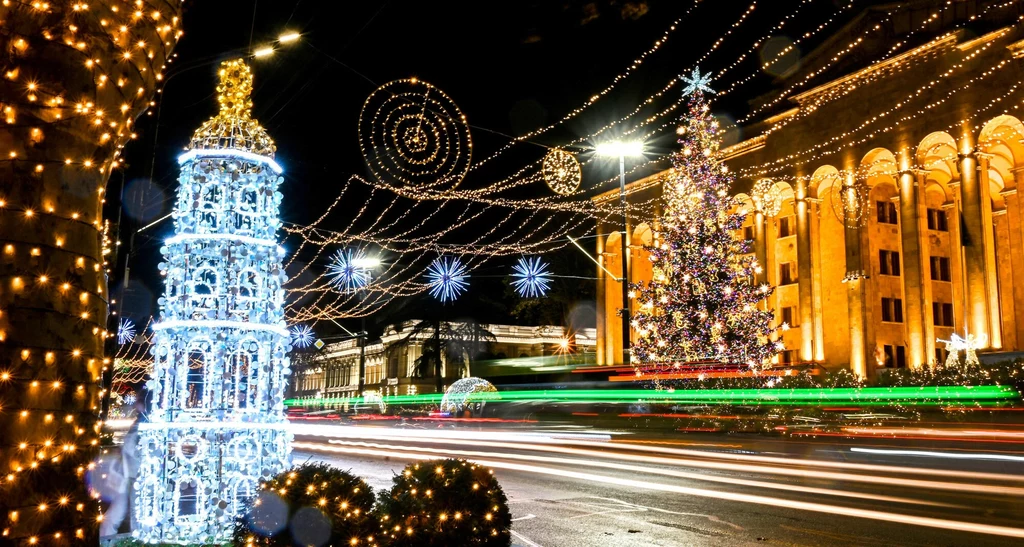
74, 76
701, 304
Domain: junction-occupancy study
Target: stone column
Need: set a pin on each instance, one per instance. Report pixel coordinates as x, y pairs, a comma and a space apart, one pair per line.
813, 219
804, 267
989, 246
1015, 221
1005, 272
602, 313
974, 202
761, 247
914, 243
856, 282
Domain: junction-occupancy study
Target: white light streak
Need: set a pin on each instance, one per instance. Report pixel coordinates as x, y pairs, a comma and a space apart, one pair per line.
949, 455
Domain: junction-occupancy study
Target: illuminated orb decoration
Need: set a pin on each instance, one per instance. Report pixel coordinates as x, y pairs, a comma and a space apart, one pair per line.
302, 336
412, 134
766, 197
348, 271
468, 394
851, 202
125, 331
446, 278
561, 171
531, 278
220, 351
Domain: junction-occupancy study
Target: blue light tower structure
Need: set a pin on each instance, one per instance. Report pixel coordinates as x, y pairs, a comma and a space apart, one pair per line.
217, 423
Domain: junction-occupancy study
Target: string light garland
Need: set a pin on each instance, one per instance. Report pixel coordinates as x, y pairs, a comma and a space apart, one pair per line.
561, 171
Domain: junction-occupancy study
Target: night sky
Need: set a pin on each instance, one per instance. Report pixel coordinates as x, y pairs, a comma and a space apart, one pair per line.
511, 66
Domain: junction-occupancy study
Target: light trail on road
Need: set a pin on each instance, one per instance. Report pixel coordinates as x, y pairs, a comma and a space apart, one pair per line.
899, 518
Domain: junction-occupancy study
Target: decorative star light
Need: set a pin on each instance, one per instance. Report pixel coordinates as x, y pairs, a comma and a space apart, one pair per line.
532, 278
447, 278
125, 331
302, 336
348, 271
696, 82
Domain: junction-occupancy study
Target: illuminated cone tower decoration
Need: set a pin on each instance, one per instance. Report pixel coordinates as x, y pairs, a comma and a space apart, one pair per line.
217, 423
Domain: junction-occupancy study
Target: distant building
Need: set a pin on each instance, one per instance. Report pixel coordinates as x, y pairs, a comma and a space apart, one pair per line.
912, 111
333, 372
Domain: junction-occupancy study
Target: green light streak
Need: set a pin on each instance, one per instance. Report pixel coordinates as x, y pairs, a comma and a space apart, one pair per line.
869, 396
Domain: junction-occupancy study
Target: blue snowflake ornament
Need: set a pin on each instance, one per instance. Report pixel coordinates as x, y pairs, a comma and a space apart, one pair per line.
696, 82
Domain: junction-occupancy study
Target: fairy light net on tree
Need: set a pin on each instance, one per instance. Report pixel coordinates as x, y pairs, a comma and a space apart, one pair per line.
217, 424
700, 304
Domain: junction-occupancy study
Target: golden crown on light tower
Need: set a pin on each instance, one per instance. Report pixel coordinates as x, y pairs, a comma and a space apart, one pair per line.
234, 127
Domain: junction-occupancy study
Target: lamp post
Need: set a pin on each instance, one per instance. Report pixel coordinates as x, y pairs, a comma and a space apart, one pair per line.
621, 149
365, 264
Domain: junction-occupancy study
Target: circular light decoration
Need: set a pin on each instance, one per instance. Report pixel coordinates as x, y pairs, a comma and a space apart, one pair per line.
302, 336
412, 134
531, 278
766, 197
851, 202
561, 171
446, 278
125, 331
348, 270
468, 393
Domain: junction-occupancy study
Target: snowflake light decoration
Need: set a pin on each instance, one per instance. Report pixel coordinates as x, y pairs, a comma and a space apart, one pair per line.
446, 278
348, 271
532, 278
696, 82
125, 331
302, 336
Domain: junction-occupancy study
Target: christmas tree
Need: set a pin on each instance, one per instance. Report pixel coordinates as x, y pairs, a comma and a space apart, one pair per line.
702, 303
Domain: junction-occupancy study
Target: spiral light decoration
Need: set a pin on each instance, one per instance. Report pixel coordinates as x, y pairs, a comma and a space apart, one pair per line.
851, 202
412, 134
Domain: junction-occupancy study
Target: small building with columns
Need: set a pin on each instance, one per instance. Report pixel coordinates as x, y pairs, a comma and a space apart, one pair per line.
881, 186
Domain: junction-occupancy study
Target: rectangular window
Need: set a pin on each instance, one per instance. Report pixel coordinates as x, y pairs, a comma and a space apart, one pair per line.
787, 273
886, 212
748, 233
889, 262
937, 220
788, 356
892, 310
786, 227
940, 268
942, 314
789, 316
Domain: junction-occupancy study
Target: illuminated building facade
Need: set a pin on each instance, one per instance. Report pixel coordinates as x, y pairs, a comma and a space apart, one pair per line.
882, 196
220, 350
333, 372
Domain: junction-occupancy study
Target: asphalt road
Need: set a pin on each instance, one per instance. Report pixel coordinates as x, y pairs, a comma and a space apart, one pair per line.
587, 488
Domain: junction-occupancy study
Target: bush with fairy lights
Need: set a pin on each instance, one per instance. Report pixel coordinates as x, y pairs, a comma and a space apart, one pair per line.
441, 503
312, 504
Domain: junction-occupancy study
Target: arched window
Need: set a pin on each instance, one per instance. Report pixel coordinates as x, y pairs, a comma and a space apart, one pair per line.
242, 375
189, 500
195, 393
248, 284
210, 205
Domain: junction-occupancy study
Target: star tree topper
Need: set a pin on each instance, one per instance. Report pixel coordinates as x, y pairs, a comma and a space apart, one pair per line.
696, 82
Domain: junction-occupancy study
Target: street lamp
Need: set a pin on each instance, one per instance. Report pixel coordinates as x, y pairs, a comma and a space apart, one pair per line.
623, 149
366, 264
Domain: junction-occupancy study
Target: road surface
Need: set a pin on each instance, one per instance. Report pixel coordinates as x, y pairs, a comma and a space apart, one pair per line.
590, 488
